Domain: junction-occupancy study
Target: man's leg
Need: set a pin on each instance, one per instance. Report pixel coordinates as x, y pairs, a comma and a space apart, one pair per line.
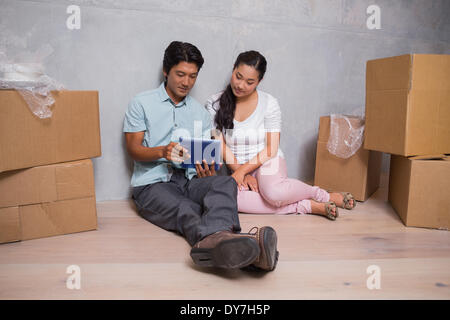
218, 197
165, 205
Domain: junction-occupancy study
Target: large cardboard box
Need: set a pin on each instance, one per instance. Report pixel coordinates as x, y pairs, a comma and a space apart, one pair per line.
419, 190
72, 133
359, 174
47, 200
408, 105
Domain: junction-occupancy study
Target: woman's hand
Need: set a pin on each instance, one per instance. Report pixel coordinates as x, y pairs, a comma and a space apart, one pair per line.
239, 176
251, 182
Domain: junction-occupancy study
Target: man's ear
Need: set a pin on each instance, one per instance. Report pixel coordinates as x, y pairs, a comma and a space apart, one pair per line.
165, 73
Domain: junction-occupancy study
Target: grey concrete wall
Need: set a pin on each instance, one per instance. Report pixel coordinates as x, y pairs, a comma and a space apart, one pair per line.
316, 52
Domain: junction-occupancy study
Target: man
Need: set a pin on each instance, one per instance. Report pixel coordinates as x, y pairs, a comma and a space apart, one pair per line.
196, 203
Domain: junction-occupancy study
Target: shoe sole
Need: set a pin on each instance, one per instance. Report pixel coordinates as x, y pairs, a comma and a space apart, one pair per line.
270, 245
230, 254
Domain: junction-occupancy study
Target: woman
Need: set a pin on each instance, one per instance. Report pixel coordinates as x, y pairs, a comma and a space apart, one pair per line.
248, 121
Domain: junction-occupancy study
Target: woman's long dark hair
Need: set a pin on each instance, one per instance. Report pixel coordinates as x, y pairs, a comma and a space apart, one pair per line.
225, 115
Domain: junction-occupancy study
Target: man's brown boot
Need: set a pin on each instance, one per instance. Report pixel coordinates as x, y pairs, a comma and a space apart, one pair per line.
267, 240
225, 249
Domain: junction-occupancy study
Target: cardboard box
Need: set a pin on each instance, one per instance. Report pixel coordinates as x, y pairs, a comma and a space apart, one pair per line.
72, 133
359, 174
47, 200
419, 190
408, 105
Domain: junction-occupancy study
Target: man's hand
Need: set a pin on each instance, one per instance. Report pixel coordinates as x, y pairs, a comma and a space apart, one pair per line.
175, 152
205, 170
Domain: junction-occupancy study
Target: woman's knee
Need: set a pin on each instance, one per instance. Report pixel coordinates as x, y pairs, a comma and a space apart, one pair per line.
273, 196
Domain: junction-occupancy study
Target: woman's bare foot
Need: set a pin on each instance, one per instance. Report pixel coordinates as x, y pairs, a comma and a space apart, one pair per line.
338, 198
321, 209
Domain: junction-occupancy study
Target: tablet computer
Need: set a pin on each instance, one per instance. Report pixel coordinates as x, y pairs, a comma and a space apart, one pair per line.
201, 149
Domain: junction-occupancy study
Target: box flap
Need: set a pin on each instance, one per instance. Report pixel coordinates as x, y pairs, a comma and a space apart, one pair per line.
428, 157
430, 72
393, 73
62, 181
27, 186
428, 127
429, 105
386, 121
75, 179
74, 126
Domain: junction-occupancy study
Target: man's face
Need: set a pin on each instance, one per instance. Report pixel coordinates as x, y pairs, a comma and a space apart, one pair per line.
180, 80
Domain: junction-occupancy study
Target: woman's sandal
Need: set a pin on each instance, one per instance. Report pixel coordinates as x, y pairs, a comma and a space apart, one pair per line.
328, 208
347, 197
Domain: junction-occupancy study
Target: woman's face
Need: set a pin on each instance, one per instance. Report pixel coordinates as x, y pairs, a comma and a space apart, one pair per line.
244, 80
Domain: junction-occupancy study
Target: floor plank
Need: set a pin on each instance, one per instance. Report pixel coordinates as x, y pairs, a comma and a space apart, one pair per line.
129, 258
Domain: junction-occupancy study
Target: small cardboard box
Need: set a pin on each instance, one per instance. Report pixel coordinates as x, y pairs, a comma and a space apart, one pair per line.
47, 200
72, 133
419, 190
408, 105
359, 174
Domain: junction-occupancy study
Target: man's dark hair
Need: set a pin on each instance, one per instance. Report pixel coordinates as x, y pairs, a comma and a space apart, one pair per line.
179, 51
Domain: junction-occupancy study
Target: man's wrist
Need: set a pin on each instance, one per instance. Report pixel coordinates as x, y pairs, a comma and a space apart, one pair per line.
160, 151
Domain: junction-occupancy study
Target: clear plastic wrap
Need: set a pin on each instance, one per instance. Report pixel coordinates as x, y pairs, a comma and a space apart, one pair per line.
25, 73
346, 134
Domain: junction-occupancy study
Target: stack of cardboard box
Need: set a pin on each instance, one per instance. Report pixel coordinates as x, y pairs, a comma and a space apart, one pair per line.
408, 116
46, 175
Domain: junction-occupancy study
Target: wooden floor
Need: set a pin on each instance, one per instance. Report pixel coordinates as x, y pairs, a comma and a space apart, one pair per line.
129, 258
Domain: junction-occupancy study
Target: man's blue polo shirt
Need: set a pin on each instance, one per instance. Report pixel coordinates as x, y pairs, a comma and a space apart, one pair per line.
163, 121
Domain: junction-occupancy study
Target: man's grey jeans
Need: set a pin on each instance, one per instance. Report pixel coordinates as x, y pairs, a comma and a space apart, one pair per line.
193, 208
